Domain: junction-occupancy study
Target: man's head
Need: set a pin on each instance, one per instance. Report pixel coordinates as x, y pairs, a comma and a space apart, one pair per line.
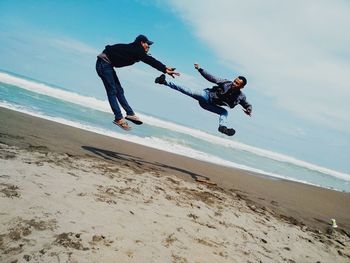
239, 82
145, 42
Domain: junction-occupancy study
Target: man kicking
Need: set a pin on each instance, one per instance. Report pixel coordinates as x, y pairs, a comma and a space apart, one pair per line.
225, 93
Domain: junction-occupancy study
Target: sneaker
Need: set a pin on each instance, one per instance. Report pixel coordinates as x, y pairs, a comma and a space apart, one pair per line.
227, 131
134, 119
160, 79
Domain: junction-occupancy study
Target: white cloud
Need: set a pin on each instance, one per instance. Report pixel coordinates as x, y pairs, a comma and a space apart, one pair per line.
73, 45
295, 51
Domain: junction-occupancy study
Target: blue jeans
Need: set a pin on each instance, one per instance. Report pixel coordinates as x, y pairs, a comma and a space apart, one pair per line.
203, 99
113, 88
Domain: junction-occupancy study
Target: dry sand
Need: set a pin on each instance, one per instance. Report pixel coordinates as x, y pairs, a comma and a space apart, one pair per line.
67, 195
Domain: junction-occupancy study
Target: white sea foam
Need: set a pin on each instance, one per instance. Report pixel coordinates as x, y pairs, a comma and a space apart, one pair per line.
152, 142
103, 106
47, 90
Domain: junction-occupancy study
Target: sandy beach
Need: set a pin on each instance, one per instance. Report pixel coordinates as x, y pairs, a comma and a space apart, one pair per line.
68, 195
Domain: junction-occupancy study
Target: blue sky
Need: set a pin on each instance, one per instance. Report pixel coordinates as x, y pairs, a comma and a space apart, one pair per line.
295, 55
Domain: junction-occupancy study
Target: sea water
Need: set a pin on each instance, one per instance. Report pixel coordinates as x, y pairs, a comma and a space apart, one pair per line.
53, 103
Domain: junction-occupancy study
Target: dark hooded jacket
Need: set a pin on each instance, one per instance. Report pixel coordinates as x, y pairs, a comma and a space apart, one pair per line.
121, 55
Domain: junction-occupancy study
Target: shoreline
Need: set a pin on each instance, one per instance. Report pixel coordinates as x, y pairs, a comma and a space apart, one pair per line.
222, 162
305, 203
83, 197
248, 170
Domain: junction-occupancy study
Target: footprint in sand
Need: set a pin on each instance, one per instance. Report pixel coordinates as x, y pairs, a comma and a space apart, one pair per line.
9, 190
100, 239
70, 240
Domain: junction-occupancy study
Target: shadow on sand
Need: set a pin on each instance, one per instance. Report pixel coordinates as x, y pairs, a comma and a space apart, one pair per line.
118, 157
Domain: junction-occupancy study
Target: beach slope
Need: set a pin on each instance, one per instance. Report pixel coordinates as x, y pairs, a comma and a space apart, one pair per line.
68, 195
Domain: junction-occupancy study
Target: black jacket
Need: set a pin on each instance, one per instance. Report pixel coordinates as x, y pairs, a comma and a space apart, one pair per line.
121, 55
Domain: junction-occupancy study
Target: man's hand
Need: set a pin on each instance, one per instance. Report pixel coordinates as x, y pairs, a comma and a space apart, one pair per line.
171, 72
196, 66
248, 112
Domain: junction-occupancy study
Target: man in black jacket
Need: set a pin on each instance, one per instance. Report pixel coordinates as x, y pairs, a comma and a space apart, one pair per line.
122, 55
226, 93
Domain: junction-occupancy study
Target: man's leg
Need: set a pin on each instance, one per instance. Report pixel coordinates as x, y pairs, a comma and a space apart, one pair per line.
121, 98
216, 109
222, 117
196, 94
105, 72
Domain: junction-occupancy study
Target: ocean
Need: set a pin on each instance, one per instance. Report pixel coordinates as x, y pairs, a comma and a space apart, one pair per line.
56, 104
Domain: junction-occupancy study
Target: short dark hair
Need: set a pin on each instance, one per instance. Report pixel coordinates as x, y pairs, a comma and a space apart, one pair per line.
243, 79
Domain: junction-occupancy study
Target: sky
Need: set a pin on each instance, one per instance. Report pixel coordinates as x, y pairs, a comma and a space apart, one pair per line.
295, 55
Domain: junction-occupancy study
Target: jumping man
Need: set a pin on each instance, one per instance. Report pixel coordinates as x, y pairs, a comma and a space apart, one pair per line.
225, 93
122, 55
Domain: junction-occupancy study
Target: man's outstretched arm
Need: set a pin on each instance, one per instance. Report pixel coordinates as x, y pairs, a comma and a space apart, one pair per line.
159, 65
247, 107
208, 76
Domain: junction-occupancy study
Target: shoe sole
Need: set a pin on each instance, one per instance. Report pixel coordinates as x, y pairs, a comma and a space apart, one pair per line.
228, 133
138, 122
